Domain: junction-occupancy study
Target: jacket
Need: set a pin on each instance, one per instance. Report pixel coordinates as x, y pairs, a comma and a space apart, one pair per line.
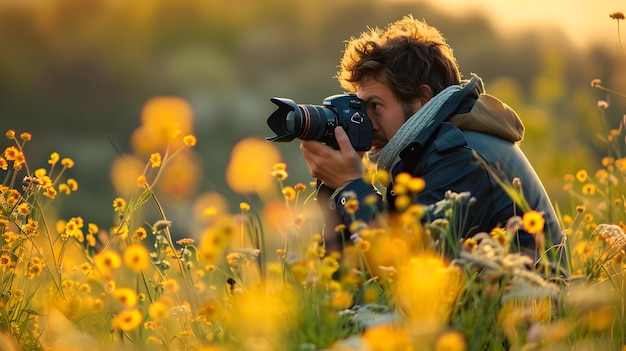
445, 155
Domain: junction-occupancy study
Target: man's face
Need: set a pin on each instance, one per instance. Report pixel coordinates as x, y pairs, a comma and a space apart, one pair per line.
386, 112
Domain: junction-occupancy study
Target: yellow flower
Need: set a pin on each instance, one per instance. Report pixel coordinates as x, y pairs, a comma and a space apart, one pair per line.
4, 165
93, 228
121, 230
402, 202
589, 189
67, 162
108, 260
54, 158
363, 245
126, 296
451, 341
244, 206
155, 160
128, 320
582, 175
189, 140
136, 257
280, 174
352, 205
142, 181
289, 193
140, 233
64, 189
35, 270
415, 184
342, 299
280, 166
533, 222
71, 227
247, 168
383, 337
403, 178
11, 153
171, 285
5, 260
25, 136
119, 204
10, 134
158, 311
23, 209
72, 184
50, 193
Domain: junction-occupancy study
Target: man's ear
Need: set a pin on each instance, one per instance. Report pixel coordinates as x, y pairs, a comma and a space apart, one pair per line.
426, 93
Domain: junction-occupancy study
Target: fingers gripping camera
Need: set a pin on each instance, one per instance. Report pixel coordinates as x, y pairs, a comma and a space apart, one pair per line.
315, 122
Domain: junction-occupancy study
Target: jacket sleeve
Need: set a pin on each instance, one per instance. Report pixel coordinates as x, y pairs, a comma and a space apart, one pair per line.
332, 203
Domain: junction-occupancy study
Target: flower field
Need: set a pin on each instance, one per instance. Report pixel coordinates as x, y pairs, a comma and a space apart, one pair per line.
261, 277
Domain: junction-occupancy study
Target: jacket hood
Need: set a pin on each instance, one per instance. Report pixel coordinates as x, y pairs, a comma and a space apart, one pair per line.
491, 116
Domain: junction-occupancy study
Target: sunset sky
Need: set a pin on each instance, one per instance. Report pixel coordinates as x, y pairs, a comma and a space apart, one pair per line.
584, 21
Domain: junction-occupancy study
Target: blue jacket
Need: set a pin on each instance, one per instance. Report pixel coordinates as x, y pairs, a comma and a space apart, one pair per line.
471, 122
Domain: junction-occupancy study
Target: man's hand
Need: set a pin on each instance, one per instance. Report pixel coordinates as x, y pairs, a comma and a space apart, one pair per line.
333, 167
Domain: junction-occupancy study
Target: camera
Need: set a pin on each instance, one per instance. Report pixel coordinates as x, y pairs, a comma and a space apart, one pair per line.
315, 122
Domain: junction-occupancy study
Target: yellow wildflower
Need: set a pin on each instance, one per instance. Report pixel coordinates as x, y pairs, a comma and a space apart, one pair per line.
244, 206
289, 193
72, 184
126, 296
533, 222
171, 285
108, 260
25, 136
23, 209
54, 158
64, 189
140, 233
582, 175
352, 206
158, 311
50, 192
189, 140
5, 260
137, 257
155, 160
119, 204
451, 341
342, 299
11, 153
10, 134
67, 162
128, 320
415, 184
589, 189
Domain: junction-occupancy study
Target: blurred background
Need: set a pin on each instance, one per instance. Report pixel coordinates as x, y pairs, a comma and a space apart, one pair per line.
77, 75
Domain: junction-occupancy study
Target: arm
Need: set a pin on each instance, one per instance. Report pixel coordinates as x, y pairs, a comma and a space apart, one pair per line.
338, 169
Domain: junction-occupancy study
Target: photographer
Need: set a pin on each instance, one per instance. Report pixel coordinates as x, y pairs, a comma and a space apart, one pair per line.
430, 123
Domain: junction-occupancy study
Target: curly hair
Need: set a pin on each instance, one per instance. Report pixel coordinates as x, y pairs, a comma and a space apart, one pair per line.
407, 54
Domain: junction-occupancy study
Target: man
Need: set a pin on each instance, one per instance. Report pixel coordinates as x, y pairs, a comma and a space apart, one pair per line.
431, 124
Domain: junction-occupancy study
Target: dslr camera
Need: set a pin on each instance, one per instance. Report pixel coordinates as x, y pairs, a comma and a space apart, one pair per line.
315, 122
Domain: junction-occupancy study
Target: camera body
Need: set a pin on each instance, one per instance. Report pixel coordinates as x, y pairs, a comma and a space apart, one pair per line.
318, 122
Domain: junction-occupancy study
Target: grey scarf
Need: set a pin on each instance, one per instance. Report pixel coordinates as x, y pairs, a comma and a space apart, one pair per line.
420, 120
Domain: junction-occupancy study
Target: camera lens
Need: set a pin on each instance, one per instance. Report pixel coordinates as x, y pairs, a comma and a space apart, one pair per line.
313, 121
